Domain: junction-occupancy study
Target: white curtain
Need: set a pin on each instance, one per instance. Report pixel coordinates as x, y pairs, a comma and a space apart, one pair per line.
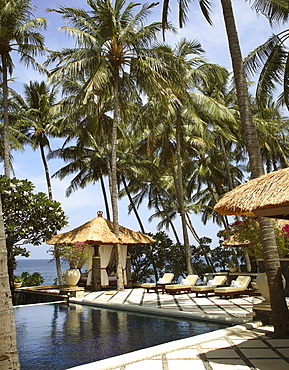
123, 254
105, 254
88, 265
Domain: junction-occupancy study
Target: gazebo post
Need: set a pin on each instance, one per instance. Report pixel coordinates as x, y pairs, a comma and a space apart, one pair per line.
128, 272
96, 274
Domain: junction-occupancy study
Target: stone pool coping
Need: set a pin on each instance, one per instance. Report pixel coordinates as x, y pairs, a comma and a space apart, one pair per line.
166, 312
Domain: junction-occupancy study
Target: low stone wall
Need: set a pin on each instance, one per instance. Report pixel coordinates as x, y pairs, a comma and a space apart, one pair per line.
29, 296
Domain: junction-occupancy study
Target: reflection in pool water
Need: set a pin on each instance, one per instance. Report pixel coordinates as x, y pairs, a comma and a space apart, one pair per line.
58, 336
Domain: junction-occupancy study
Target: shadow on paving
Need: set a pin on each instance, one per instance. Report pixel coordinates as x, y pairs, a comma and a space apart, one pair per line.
254, 350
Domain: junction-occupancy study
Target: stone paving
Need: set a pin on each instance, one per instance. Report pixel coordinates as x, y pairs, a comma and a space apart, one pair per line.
244, 346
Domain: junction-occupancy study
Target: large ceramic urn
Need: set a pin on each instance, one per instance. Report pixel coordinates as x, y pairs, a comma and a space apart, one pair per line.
71, 276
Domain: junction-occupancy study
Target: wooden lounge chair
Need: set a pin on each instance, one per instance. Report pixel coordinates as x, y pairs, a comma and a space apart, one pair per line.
231, 291
205, 289
178, 288
167, 279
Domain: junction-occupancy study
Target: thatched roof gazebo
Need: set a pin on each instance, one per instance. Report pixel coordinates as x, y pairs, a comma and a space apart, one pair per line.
98, 232
265, 196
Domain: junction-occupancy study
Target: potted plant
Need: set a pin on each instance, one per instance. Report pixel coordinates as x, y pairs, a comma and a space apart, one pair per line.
232, 266
17, 281
76, 254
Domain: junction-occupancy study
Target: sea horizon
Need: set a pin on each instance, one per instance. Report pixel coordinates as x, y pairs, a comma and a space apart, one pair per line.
45, 266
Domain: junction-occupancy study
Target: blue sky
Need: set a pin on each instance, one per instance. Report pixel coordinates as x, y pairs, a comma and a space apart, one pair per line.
83, 205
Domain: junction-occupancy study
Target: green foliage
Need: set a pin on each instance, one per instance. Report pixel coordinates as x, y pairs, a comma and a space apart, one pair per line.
34, 279
149, 262
247, 232
29, 217
17, 279
75, 254
224, 257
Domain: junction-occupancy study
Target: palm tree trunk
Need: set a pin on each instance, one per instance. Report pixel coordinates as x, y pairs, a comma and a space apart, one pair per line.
170, 222
195, 235
6, 153
104, 197
180, 192
192, 229
58, 265
8, 346
247, 260
120, 285
280, 314
49, 190
46, 170
175, 232
107, 159
227, 167
133, 205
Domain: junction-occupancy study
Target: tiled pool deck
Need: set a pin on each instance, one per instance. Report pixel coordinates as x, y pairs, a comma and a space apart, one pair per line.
245, 345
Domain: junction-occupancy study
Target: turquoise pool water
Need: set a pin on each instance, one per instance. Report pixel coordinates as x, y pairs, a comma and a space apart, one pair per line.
60, 336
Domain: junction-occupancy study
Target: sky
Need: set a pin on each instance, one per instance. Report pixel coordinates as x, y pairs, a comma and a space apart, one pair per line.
83, 205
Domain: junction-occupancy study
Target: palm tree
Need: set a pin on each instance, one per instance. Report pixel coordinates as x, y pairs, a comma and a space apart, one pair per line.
160, 146
40, 118
8, 345
18, 33
272, 129
16, 138
110, 40
280, 314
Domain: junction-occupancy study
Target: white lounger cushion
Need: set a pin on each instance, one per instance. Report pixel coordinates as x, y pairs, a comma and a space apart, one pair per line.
243, 280
219, 280
192, 279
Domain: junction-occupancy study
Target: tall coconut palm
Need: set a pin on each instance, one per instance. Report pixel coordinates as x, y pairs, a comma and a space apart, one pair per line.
271, 58
177, 126
8, 345
280, 314
16, 138
272, 129
110, 39
40, 118
19, 33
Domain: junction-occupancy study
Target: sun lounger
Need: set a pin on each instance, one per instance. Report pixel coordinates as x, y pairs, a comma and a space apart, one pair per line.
178, 288
166, 279
241, 287
206, 289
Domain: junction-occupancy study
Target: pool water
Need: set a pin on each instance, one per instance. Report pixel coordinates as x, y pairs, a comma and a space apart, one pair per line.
60, 336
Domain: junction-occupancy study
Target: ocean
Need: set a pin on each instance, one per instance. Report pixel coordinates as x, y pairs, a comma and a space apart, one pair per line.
45, 267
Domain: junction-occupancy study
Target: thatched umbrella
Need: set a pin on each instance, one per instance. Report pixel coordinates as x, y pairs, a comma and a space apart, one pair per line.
265, 196
100, 231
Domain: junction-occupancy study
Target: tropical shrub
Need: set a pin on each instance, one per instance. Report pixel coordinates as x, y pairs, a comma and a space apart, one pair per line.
34, 279
76, 254
29, 217
150, 262
246, 232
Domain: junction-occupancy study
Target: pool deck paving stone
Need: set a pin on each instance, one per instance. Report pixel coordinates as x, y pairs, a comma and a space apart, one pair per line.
244, 346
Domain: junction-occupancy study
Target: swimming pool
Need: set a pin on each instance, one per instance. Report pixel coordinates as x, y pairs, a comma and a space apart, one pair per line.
60, 336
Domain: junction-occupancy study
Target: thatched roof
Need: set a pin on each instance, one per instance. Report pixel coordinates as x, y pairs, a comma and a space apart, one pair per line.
233, 241
100, 231
266, 196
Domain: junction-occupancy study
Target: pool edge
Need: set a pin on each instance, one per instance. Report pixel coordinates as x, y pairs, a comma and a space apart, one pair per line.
165, 312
